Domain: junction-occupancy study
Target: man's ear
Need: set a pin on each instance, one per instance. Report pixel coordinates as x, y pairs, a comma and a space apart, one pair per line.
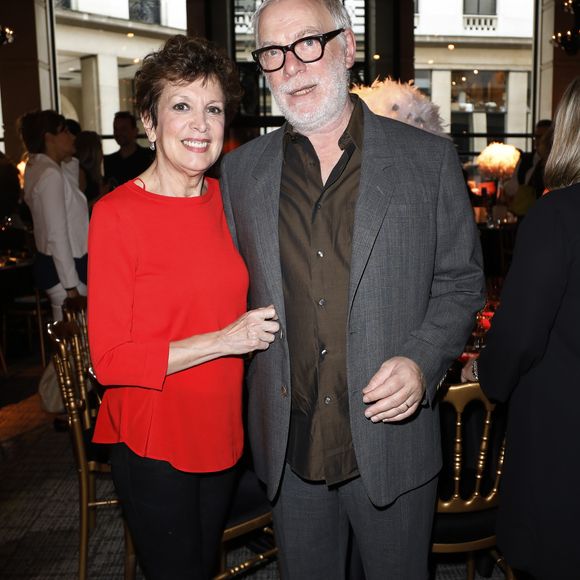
350, 47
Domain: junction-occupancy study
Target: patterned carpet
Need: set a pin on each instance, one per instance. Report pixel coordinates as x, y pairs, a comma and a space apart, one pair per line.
39, 513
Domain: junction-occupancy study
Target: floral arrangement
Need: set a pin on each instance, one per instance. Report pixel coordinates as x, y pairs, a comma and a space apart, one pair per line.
403, 102
498, 161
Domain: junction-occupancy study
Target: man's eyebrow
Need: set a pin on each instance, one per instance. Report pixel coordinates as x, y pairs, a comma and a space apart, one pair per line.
297, 36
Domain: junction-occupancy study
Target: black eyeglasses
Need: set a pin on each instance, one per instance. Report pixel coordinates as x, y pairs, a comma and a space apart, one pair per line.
307, 49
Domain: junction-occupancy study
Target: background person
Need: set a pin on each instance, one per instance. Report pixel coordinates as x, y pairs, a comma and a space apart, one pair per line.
89, 152
532, 361
359, 230
59, 210
131, 160
167, 320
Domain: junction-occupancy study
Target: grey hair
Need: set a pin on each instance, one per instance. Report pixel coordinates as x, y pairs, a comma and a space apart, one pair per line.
336, 8
563, 164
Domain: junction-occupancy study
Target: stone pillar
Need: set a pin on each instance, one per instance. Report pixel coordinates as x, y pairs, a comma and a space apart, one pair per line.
441, 95
517, 118
545, 60
100, 90
27, 71
478, 125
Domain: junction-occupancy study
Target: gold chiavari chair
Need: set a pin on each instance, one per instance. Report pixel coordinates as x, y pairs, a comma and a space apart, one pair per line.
90, 459
250, 517
473, 432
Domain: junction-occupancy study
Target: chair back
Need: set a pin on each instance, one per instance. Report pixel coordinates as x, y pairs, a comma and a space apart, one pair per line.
75, 310
65, 336
473, 448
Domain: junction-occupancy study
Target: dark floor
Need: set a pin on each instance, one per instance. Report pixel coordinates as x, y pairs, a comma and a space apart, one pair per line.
38, 494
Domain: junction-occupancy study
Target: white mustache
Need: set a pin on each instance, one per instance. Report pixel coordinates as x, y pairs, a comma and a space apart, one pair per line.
293, 86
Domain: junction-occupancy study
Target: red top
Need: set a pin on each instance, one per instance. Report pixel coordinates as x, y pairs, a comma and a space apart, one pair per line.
163, 269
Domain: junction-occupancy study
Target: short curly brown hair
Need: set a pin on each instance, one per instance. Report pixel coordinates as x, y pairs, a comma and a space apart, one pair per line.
185, 59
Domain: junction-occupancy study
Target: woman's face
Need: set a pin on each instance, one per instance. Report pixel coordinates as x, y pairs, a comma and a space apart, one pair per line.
190, 126
60, 145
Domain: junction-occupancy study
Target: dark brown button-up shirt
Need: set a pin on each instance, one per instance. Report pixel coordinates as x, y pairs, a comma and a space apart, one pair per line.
315, 229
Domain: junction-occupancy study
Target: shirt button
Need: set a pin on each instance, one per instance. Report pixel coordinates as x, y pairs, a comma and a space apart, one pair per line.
284, 390
318, 206
327, 400
323, 352
320, 254
321, 302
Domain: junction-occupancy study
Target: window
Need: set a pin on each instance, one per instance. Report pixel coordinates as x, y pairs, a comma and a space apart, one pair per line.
416, 6
482, 7
148, 11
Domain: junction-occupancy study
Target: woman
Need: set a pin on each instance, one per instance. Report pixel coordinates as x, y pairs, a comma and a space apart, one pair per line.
59, 210
166, 319
89, 152
532, 360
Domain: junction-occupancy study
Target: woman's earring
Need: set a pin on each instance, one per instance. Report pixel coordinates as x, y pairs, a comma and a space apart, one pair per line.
152, 145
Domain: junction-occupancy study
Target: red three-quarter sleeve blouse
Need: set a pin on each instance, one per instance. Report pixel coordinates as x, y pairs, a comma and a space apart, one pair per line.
162, 269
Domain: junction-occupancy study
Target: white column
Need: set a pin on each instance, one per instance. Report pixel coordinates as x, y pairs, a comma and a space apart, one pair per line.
479, 125
517, 118
441, 95
545, 74
100, 86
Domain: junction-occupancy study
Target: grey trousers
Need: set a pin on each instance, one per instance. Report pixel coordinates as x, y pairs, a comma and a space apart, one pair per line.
313, 524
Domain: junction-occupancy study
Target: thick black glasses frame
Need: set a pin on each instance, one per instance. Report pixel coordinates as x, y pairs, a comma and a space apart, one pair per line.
322, 38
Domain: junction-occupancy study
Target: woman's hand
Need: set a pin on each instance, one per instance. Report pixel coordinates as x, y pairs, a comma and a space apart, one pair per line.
72, 293
254, 330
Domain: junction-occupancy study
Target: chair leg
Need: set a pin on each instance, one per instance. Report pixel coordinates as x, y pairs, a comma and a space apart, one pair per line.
470, 566
130, 556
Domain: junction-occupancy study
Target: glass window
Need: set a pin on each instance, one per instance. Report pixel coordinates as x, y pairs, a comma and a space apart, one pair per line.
483, 7
145, 11
484, 91
423, 81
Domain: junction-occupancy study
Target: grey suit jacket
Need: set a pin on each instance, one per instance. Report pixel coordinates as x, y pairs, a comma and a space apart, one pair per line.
415, 284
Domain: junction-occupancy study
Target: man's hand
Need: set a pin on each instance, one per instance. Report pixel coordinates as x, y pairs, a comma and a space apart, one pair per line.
395, 391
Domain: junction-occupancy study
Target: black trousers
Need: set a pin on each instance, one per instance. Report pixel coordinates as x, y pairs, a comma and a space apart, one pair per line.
176, 518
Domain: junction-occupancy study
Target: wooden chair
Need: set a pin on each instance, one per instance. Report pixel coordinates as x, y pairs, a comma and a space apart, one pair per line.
250, 518
473, 433
90, 459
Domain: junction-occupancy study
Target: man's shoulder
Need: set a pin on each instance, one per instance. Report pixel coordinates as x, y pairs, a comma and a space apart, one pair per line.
253, 148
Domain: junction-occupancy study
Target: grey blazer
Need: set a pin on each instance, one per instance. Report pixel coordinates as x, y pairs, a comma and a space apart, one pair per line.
415, 284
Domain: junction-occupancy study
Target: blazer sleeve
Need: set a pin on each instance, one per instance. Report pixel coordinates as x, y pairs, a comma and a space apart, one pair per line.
117, 358
457, 286
530, 300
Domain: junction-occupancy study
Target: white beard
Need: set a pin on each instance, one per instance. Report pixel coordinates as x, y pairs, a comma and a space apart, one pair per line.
336, 95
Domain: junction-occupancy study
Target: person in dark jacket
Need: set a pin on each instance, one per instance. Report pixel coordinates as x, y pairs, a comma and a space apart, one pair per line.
532, 362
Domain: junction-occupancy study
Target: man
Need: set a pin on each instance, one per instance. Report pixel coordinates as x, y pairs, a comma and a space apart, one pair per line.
131, 160
359, 230
527, 182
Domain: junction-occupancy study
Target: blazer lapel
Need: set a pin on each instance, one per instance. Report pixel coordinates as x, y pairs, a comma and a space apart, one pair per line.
267, 174
377, 184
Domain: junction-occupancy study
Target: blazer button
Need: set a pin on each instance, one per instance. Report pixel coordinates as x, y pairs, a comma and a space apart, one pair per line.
282, 334
284, 390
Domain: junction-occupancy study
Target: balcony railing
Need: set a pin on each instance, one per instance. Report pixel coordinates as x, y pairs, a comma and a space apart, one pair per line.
477, 23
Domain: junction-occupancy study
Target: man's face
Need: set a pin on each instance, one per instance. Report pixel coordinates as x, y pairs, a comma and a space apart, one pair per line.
311, 96
124, 132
